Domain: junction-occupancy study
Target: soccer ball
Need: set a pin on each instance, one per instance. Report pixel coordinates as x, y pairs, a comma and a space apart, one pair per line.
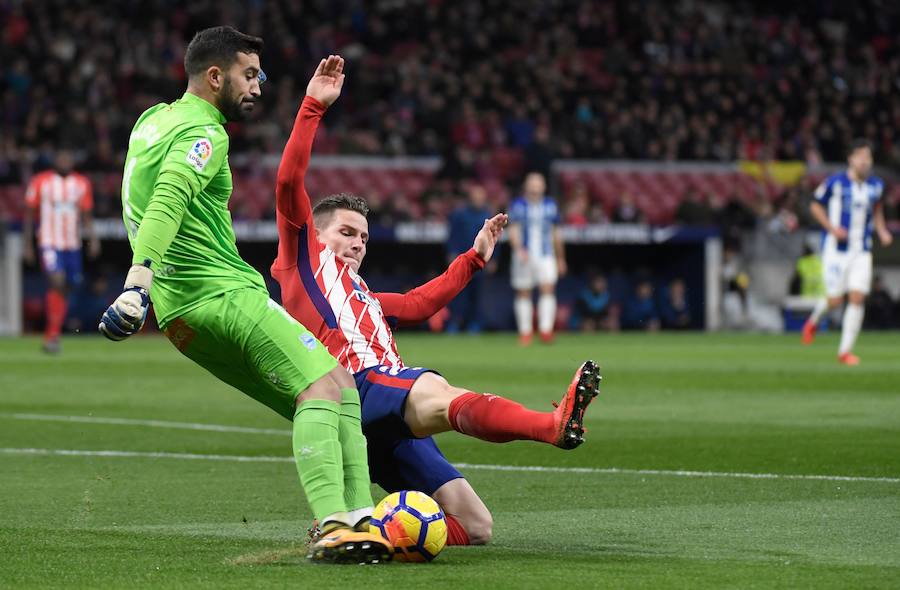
413, 523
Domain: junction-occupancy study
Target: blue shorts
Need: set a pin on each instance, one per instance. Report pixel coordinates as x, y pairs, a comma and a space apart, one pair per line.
397, 459
62, 261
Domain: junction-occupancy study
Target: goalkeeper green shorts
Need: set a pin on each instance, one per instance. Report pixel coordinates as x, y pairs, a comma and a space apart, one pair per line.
250, 342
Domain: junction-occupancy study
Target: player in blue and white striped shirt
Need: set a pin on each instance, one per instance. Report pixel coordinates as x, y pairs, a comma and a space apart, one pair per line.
538, 257
847, 206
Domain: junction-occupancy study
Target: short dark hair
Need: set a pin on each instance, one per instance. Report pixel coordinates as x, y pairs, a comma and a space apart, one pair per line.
858, 144
325, 208
218, 46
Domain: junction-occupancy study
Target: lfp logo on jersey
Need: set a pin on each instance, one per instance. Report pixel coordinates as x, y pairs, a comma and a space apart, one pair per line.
200, 153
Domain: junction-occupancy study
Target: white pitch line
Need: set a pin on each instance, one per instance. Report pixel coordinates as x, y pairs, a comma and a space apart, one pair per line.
150, 423
674, 473
145, 455
475, 466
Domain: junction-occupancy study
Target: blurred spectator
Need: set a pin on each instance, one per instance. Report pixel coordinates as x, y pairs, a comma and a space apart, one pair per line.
577, 206
674, 310
733, 218
879, 307
595, 308
465, 223
89, 303
640, 311
694, 210
655, 80
597, 214
539, 154
387, 212
10, 163
627, 210
704, 80
736, 287
807, 280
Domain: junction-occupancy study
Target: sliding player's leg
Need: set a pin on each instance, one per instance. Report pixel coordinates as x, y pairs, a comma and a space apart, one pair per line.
469, 522
399, 463
249, 342
434, 406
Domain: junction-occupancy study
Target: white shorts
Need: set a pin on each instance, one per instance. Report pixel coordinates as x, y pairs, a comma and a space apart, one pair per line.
533, 272
846, 271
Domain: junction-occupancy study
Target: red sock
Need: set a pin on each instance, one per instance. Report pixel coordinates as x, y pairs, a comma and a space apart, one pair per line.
456, 534
57, 306
496, 419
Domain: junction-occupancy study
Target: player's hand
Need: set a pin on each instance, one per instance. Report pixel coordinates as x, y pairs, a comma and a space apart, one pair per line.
839, 233
561, 267
522, 254
490, 233
126, 316
886, 238
326, 84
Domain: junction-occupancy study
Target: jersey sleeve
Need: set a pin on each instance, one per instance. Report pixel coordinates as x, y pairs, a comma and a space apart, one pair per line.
824, 191
197, 154
192, 161
554, 212
424, 301
879, 190
293, 209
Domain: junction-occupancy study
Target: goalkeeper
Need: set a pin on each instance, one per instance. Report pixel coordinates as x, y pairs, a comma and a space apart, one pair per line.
215, 308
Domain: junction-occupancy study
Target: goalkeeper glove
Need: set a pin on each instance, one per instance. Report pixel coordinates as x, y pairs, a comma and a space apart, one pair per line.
128, 312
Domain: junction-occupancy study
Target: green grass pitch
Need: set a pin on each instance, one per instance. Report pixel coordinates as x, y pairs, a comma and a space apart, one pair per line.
689, 422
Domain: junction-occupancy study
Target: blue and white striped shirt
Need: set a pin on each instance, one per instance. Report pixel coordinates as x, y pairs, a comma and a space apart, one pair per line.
849, 205
537, 220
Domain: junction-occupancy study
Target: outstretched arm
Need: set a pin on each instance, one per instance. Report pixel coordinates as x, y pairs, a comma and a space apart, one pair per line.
424, 301
291, 198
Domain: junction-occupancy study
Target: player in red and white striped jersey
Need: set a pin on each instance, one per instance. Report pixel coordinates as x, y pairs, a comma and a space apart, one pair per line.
319, 255
62, 201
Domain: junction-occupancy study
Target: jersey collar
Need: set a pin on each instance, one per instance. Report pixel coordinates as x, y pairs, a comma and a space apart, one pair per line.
205, 106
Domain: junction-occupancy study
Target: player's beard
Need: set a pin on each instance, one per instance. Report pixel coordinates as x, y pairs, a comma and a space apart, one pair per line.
231, 106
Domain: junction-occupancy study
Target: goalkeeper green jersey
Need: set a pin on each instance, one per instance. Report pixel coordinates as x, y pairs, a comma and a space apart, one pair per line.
175, 192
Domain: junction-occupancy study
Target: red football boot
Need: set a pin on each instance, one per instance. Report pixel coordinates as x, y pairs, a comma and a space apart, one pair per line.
569, 411
849, 359
809, 332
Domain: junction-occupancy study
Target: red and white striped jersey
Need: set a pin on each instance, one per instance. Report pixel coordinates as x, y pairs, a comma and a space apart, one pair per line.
335, 303
324, 293
60, 201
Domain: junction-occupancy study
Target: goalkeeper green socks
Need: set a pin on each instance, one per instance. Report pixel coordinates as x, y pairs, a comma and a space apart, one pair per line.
317, 451
357, 490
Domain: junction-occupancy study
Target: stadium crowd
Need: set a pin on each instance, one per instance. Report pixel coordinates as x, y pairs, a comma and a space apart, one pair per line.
493, 88
600, 79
